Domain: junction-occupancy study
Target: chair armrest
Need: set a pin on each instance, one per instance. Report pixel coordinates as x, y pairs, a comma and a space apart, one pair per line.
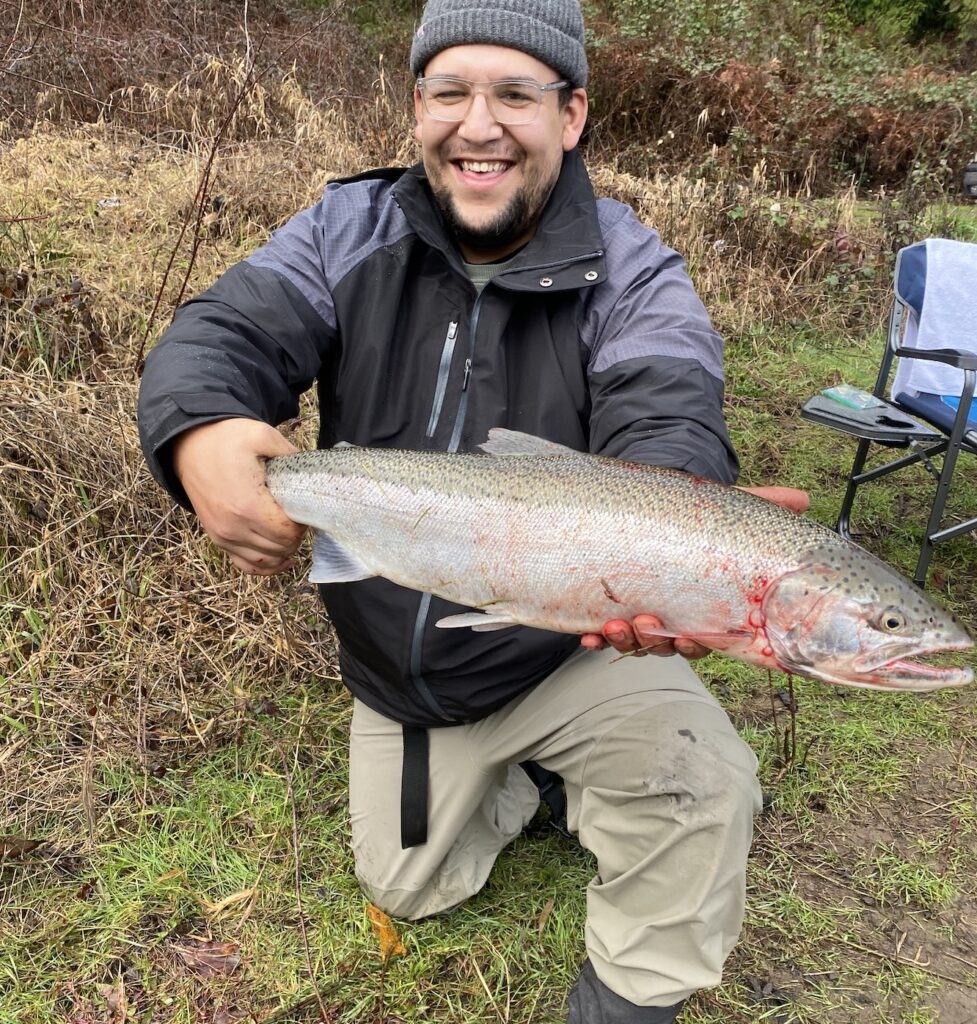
953, 356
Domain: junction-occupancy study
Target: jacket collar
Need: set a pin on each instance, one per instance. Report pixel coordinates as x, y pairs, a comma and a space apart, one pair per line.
567, 250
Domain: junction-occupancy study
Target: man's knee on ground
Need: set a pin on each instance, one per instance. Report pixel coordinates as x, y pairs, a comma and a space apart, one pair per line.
409, 904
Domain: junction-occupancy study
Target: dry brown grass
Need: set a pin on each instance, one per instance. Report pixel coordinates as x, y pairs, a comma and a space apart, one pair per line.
118, 611
759, 256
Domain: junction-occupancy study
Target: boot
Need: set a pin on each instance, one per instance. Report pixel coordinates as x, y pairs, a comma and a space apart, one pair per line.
592, 1002
552, 791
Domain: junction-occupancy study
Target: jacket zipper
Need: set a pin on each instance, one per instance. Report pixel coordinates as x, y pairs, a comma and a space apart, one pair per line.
447, 351
556, 263
420, 622
463, 403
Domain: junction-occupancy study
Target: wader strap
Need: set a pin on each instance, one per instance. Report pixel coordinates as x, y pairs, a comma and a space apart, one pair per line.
413, 788
552, 791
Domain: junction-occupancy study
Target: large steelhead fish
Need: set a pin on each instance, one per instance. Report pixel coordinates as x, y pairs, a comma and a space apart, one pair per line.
535, 533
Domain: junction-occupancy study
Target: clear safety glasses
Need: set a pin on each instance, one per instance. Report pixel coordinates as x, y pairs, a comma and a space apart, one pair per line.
513, 101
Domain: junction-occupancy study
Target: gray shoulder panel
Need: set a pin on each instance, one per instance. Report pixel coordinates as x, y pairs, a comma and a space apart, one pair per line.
318, 247
648, 305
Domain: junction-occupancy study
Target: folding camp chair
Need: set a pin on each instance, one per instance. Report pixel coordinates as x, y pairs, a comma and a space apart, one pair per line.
933, 332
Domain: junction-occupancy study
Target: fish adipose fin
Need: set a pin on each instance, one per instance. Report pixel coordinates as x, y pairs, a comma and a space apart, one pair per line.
332, 563
513, 442
481, 622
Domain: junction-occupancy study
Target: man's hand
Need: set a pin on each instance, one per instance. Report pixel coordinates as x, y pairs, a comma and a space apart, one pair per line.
639, 636
790, 497
221, 466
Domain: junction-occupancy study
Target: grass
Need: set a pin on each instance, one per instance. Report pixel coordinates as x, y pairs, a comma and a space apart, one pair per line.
890, 877
172, 736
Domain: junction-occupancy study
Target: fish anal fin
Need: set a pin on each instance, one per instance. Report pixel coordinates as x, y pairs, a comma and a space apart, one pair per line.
332, 563
481, 622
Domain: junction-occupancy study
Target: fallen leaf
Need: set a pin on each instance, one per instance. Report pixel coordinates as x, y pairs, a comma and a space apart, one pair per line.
86, 890
208, 959
115, 1000
12, 847
544, 915
386, 933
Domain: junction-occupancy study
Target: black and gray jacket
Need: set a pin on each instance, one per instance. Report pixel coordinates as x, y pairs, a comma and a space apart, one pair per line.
593, 338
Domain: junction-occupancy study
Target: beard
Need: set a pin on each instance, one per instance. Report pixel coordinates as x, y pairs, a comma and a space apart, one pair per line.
507, 227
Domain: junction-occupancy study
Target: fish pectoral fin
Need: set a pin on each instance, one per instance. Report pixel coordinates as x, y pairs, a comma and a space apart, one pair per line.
332, 563
481, 622
502, 441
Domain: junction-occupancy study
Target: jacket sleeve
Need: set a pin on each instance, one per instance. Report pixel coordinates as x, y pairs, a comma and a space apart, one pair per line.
248, 346
655, 369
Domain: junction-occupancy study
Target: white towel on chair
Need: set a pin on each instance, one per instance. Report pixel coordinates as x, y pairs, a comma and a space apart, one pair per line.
948, 318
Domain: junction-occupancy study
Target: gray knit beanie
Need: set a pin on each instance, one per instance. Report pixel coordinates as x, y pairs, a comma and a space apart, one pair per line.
549, 30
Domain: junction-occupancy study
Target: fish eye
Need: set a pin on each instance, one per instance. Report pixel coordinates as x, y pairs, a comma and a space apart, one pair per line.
892, 620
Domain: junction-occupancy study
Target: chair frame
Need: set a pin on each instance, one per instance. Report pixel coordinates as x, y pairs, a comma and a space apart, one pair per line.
924, 449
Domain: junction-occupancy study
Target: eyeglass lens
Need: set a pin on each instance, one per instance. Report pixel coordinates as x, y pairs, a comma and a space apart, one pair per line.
510, 102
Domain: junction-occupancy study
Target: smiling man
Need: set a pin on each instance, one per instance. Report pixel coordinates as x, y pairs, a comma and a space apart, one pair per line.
493, 129
487, 287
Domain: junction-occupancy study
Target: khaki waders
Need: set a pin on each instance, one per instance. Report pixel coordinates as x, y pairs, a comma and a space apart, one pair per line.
660, 789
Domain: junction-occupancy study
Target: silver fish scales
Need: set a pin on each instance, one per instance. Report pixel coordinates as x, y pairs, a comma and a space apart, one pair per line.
537, 534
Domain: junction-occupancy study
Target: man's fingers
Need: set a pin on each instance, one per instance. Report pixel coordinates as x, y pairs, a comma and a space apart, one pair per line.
642, 636
255, 538
638, 637
620, 635
689, 648
790, 497
258, 563
649, 639
222, 468
593, 641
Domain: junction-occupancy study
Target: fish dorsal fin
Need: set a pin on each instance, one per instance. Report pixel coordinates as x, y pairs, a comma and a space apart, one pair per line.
332, 563
345, 444
502, 441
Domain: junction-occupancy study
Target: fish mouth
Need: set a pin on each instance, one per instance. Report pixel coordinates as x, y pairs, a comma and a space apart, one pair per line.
900, 672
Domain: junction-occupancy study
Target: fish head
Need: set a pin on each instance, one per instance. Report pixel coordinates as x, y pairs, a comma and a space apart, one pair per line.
845, 617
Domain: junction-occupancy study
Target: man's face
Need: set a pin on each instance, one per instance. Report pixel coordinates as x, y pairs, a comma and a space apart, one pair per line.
493, 180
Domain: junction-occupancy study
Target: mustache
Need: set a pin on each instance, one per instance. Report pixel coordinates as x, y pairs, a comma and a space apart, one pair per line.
451, 152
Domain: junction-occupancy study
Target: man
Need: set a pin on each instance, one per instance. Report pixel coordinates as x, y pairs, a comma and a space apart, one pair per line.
486, 287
